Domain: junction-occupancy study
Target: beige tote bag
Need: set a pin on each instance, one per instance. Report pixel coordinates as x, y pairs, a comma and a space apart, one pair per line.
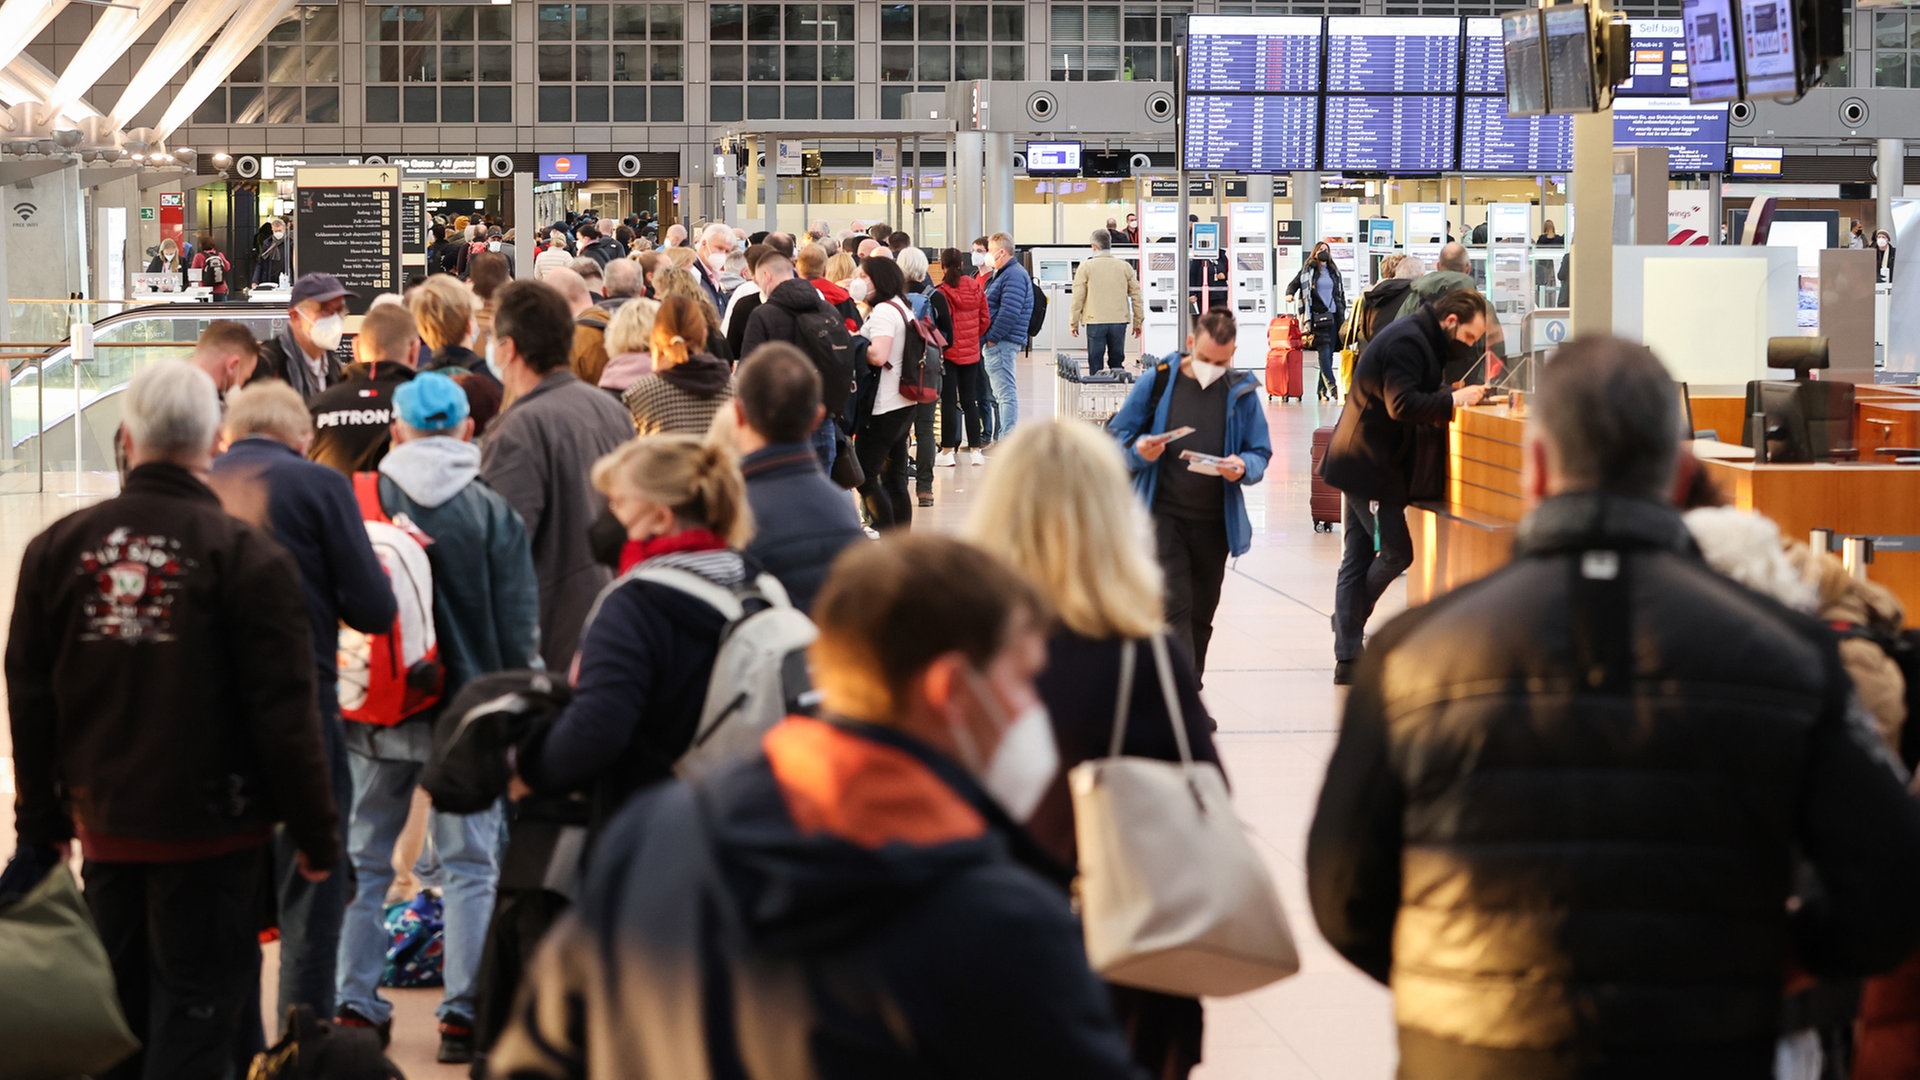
1172, 894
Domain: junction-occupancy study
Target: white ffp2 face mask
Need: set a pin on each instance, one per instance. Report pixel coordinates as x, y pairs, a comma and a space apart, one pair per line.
1204, 373
327, 331
857, 288
979, 258
1024, 764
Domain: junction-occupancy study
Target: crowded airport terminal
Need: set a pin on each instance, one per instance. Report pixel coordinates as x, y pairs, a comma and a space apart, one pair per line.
1017, 540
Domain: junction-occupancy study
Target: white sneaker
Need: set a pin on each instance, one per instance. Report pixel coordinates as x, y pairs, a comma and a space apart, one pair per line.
976, 457
944, 459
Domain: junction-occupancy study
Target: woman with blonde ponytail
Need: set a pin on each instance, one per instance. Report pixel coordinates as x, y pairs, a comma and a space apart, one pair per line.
687, 384
641, 674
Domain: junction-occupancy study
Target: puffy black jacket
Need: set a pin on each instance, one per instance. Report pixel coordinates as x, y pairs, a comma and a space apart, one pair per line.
1563, 816
801, 521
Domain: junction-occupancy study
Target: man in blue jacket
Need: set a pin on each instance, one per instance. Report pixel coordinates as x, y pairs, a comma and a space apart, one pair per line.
801, 520
1009, 308
486, 611
1199, 506
310, 510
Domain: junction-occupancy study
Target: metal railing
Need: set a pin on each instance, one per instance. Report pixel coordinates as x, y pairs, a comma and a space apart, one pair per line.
34, 376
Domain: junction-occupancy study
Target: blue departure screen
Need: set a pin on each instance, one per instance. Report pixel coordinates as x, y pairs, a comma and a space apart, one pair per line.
1486, 61
1377, 133
1492, 141
1695, 135
1265, 134
1375, 55
1241, 55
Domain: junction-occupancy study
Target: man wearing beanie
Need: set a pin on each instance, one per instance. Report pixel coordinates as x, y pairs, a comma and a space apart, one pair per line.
486, 612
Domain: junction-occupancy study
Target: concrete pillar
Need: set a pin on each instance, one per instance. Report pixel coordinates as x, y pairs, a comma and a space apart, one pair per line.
1304, 187
1590, 191
968, 181
523, 237
1259, 189
1892, 155
770, 178
999, 183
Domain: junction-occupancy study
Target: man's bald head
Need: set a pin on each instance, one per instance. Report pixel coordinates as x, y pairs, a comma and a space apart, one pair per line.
571, 287
1454, 257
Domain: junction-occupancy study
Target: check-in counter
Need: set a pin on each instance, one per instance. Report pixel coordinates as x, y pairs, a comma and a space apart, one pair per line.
1471, 533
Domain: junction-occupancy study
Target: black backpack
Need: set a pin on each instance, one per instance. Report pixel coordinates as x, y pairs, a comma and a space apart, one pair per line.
213, 269
822, 334
1039, 312
480, 730
315, 1049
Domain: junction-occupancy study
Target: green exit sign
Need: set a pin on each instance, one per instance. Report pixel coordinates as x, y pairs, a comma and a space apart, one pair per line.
146, 213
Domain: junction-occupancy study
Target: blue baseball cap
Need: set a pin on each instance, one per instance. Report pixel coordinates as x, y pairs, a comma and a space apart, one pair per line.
431, 402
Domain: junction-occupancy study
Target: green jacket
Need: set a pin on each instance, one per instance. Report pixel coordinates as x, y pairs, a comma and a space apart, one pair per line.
1435, 285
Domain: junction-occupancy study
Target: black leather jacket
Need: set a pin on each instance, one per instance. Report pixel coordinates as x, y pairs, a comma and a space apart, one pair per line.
1565, 813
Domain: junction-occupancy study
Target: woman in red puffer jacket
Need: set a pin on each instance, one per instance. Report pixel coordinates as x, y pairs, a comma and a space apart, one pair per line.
964, 391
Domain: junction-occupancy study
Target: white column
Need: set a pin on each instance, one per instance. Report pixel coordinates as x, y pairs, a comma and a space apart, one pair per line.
999, 183
965, 175
1892, 155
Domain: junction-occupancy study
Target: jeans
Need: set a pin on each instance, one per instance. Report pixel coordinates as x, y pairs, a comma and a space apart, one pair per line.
1366, 573
182, 940
1000, 357
1193, 555
882, 449
1107, 339
923, 448
311, 912
960, 396
1329, 381
825, 442
386, 764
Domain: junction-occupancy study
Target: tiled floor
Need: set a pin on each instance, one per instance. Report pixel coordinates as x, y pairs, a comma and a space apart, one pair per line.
1270, 689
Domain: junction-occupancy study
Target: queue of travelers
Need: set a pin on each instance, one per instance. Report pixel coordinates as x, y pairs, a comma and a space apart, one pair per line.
736, 772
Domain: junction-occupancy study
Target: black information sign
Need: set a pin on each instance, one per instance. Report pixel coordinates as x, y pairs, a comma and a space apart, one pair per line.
351, 233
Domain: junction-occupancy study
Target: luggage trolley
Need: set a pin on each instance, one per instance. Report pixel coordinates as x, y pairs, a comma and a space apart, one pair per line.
1093, 398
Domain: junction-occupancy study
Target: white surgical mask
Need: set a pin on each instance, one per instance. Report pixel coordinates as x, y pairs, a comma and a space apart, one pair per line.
493, 245
493, 366
857, 288
1023, 765
979, 258
278, 233
326, 332
1882, 241
1204, 373
717, 261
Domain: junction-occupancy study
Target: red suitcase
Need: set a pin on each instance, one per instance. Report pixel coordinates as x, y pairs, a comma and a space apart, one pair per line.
1285, 360
1323, 502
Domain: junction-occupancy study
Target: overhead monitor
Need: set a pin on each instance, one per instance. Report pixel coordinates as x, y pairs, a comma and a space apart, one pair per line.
1525, 63
1767, 161
568, 167
1371, 54
1570, 59
1255, 135
1241, 54
1713, 65
1657, 61
1047, 159
1695, 135
1767, 48
1390, 134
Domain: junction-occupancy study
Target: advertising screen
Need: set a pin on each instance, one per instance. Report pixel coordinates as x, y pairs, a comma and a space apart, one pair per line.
1569, 59
1713, 68
1253, 55
1267, 134
1390, 134
1375, 55
1766, 48
571, 167
1695, 135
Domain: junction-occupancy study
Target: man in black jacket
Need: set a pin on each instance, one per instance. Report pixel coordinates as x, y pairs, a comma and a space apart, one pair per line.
855, 900
1584, 812
352, 421
160, 684
303, 353
777, 318
1371, 458
801, 522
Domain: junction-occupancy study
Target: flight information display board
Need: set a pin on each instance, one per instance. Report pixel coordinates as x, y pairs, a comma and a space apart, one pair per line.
1379, 133
1265, 134
1237, 55
1695, 135
1485, 70
1492, 141
1376, 55
1659, 66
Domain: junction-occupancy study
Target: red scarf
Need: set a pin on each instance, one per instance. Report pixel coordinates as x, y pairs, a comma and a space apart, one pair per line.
638, 551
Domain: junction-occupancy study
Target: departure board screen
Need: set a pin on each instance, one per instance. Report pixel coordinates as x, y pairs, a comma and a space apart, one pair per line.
1379, 133
1492, 141
1259, 55
1376, 55
1266, 134
1695, 135
1485, 66
1569, 59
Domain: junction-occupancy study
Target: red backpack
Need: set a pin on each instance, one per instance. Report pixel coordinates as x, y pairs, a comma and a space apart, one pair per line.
390, 676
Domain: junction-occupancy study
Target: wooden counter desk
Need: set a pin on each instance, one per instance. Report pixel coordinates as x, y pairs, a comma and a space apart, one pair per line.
1471, 533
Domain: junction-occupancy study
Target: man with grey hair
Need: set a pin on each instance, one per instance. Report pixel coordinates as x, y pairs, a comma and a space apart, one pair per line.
1585, 813
716, 243
590, 273
676, 236
1453, 271
160, 681
1106, 298
621, 282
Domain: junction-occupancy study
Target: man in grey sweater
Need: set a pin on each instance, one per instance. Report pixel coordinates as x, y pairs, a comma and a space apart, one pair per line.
540, 450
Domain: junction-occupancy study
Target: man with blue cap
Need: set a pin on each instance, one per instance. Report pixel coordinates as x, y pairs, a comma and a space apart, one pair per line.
486, 607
